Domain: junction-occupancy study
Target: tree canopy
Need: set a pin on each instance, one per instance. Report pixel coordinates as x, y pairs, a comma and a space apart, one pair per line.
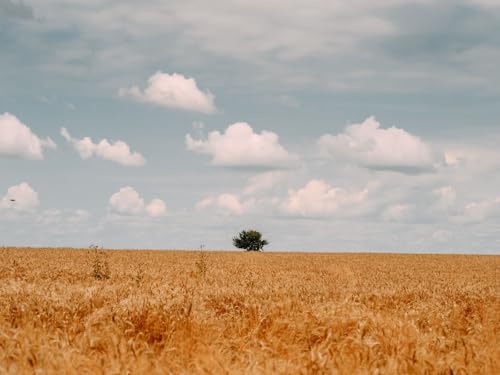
250, 240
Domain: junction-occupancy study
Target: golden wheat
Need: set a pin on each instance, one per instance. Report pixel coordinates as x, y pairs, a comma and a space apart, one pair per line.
273, 313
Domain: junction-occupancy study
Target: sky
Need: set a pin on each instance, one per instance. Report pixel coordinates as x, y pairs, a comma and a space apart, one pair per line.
326, 125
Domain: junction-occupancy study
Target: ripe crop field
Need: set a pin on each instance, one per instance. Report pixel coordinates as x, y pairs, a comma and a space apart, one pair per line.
150, 312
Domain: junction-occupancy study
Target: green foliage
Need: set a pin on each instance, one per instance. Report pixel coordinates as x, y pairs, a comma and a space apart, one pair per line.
250, 240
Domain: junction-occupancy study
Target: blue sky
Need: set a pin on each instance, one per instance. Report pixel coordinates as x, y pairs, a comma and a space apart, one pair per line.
327, 125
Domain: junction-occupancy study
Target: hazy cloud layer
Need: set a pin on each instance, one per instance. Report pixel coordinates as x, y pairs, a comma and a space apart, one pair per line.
389, 45
117, 151
17, 139
15, 9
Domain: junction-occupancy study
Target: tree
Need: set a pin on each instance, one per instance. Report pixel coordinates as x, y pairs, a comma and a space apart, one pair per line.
250, 240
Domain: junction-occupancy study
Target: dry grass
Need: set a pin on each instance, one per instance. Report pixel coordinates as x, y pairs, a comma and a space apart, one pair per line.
174, 312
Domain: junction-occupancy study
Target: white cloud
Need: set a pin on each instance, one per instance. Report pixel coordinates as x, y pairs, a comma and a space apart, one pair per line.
173, 91
17, 139
370, 146
20, 197
127, 201
117, 151
317, 199
240, 146
227, 204
156, 208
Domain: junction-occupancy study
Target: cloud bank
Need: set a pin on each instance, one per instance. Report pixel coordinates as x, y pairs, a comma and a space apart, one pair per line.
17, 139
172, 91
16, 10
117, 151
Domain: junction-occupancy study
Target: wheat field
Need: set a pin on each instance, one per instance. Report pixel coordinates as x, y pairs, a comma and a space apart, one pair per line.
72, 311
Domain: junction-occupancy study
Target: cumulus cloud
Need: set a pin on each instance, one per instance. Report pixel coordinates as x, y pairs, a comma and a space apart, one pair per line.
117, 151
240, 146
172, 91
20, 197
17, 139
318, 199
156, 208
127, 201
371, 146
227, 204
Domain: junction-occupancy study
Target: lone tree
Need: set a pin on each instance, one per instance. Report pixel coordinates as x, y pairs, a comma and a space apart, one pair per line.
250, 240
